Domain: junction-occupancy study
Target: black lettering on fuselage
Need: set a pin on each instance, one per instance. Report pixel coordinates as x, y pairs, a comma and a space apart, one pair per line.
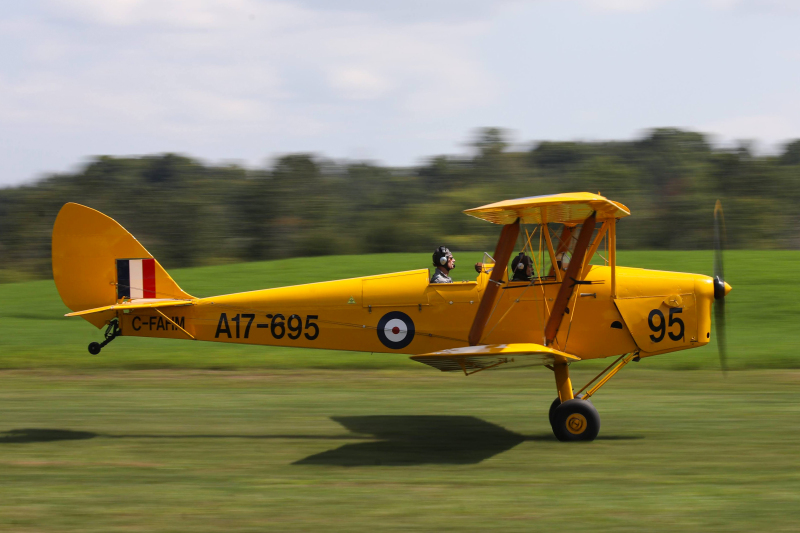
135, 326
151, 322
223, 319
160, 324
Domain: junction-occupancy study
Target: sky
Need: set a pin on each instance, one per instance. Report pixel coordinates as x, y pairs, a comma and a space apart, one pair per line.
395, 82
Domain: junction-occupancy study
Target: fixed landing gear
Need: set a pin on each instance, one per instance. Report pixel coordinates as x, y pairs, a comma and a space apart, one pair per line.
575, 420
574, 417
112, 332
556, 403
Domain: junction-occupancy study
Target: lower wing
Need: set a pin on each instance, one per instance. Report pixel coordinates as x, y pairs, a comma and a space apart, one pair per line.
471, 359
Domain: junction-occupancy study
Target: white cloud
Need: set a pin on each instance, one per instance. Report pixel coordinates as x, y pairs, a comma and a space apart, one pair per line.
417, 11
401, 79
211, 61
625, 5
176, 74
172, 13
635, 6
724, 4
769, 129
357, 83
766, 6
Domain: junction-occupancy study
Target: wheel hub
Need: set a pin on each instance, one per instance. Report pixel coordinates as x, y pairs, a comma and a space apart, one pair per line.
576, 423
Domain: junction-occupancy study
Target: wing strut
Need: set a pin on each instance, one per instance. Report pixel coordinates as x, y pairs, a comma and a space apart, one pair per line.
568, 284
502, 253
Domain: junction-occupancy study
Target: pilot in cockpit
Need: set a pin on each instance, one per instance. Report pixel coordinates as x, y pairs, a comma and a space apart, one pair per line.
563, 261
444, 262
522, 267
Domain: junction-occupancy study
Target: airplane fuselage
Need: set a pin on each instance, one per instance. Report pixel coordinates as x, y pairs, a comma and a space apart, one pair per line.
653, 312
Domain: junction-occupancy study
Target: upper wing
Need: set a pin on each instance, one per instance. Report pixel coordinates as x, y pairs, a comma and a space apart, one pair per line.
472, 359
134, 304
567, 208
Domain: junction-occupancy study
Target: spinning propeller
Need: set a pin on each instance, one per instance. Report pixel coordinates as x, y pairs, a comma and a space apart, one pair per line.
720, 287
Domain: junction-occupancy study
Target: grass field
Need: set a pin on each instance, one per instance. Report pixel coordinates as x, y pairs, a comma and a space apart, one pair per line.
763, 313
152, 436
394, 450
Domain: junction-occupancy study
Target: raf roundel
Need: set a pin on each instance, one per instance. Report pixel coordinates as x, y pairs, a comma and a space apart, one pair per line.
396, 330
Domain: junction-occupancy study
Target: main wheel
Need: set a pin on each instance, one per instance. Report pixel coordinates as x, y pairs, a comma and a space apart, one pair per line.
554, 406
94, 348
576, 420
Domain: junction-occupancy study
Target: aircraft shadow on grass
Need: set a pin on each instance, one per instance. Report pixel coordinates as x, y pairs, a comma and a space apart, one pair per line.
23, 436
419, 440
389, 440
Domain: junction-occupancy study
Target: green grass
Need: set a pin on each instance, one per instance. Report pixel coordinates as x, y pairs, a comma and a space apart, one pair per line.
394, 450
763, 313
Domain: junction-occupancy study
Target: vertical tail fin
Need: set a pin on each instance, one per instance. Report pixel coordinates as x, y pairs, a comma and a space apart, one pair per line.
96, 262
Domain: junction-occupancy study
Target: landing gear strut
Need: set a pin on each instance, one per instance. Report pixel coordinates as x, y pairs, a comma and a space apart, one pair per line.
574, 417
112, 332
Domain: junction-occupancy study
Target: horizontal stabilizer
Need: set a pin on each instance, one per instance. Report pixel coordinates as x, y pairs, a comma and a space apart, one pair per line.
472, 359
145, 303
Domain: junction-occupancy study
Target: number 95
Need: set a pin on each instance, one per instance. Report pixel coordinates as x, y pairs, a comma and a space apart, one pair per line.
660, 328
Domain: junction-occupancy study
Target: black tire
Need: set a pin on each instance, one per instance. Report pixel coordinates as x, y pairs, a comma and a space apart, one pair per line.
576, 420
94, 348
553, 407
555, 404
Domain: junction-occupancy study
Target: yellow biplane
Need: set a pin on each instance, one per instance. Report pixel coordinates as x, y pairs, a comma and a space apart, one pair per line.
578, 304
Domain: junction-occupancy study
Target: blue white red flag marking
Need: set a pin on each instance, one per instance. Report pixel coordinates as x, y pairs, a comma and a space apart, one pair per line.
136, 278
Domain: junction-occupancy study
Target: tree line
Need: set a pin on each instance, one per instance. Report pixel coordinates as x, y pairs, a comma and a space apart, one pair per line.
188, 213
